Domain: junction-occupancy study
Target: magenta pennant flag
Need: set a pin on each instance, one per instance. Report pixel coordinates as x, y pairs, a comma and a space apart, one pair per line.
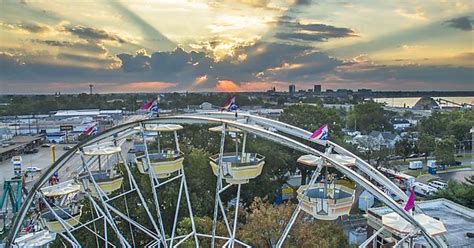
322, 133
411, 200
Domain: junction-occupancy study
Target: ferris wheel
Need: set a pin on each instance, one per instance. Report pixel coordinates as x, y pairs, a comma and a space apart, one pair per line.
103, 188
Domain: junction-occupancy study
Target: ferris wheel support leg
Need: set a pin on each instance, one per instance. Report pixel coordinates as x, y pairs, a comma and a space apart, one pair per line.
106, 236
176, 212
68, 240
134, 184
298, 208
108, 218
190, 209
218, 185
151, 174
234, 228
101, 197
61, 222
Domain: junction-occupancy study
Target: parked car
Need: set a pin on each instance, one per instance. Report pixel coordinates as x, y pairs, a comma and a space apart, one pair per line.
46, 145
67, 148
414, 155
31, 151
438, 184
33, 169
457, 163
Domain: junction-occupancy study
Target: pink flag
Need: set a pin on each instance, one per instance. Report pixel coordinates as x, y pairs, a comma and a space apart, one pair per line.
321, 133
147, 106
411, 200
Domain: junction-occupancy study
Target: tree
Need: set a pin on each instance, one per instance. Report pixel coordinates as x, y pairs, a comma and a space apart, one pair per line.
426, 144
265, 222
444, 151
368, 117
458, 192
403, 148
310, 117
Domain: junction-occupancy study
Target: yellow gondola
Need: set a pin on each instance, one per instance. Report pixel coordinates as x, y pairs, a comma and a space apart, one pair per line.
238, 167
108, 180
69, 217
166, 161
64, 206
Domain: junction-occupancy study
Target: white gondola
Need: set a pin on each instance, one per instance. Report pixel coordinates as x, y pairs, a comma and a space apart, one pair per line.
238, 167
326, 202
165, 161
107, 179
62, 205
330, 199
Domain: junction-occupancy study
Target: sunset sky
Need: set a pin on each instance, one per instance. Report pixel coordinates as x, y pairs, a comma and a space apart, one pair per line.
235, 45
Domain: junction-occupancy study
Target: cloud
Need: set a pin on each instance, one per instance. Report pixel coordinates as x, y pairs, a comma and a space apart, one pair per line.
294, 30
302, 2
90, 33
417, 14
463, 23
27, 27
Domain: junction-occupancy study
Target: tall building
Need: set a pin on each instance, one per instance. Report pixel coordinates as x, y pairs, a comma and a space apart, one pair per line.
317, 89
292, 89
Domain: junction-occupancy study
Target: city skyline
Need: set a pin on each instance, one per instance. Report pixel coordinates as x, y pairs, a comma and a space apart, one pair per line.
245, 45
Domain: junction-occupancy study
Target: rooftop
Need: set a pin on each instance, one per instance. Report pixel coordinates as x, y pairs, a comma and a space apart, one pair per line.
457, 219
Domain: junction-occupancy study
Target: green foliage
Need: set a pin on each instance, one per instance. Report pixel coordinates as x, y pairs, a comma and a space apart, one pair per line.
425, 144
403, 148
310, 118
456, 123
444, 151
369, 116
461, 193
264, 223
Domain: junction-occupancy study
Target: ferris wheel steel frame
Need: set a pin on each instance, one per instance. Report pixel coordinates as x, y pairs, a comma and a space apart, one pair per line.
122, 131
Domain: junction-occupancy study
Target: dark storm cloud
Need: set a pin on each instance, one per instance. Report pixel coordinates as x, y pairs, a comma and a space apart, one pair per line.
27, 27
55, 43
264, 62
89, 47
463, 23
303, 2
90, 33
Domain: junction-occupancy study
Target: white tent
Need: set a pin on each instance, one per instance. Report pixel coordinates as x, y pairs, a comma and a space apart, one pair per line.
396, 222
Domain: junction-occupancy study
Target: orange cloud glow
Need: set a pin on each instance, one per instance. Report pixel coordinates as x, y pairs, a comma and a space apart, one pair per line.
144, 86
230, 86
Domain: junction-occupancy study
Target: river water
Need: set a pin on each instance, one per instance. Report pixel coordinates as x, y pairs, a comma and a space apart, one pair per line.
411, 101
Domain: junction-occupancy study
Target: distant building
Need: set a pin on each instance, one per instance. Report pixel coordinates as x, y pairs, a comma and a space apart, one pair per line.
206, 106
292, 89
376, 140
317, 89
273, 89
400, 124
458, 220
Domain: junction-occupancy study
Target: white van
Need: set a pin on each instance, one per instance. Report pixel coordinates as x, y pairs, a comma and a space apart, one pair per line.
438, 184
424, 189
415, 165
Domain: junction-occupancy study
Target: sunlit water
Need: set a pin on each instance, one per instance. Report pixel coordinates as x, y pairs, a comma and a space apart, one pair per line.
411, 101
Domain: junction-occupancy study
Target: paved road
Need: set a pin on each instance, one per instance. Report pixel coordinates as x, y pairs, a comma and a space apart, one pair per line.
43, 160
